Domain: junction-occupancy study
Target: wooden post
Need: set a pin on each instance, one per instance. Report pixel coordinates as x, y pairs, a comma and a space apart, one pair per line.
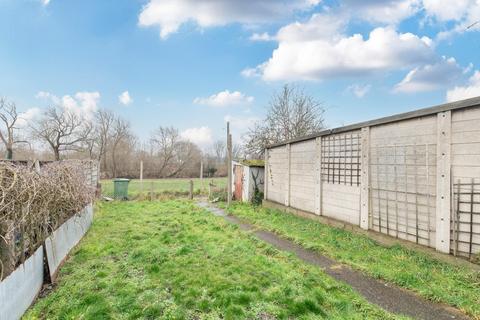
442, 217
202, 187
151, 191
141, 178
210, 189
365, 179
287, 187
229, 164
318, 176
190, 194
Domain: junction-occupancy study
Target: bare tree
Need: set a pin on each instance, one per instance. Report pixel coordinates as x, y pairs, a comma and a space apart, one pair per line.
104, 121
63, 130
121, 133
291, 114
164, 143
220, 150
185, 154
9, 119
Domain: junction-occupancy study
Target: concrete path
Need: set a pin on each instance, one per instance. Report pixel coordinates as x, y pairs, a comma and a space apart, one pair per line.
389, 297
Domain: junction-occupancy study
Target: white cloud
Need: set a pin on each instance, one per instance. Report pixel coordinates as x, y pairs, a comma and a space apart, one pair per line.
431, 76
359, 90
84, 103
445, 10
201, 136
45, 2
388, 12
262, 37
27, 116
225, 99
319, 49
124, 98
465, 14
240, 124
169, 15
250, 72
469, 91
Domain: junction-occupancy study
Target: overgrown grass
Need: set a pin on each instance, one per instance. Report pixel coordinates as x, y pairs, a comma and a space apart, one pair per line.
173, 260
438, 281
164, 187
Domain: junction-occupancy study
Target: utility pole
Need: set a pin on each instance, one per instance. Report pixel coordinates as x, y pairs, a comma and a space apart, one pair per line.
229, 164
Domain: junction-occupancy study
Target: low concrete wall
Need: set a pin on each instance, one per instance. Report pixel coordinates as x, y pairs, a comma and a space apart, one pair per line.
62, 240
19, 290
21, 287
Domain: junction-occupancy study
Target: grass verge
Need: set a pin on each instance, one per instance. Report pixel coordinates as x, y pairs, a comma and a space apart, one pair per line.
173, 260
438, 281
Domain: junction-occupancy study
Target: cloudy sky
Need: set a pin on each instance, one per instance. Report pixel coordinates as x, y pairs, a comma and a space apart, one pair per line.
194, 64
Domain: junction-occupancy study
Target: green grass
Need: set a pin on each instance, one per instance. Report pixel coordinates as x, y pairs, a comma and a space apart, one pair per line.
457, 286
162, 187
173, 260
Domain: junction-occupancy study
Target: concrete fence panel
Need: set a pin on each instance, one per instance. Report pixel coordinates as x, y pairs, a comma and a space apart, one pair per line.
21, 287
413, 176
62, 240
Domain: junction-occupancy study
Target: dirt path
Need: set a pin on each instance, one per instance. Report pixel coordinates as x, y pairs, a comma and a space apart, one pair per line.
387, 296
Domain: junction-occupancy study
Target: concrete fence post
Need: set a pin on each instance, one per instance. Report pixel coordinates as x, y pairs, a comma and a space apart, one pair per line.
442, 216
265, 171
365, 179
287, 186
318, 176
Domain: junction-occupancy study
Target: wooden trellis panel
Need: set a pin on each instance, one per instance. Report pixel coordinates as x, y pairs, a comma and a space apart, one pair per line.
341, 158
465, 219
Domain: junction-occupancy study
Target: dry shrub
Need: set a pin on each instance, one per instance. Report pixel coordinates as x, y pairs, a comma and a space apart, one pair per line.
34, 203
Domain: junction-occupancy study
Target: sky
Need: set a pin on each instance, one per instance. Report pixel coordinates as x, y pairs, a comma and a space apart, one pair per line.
194, 64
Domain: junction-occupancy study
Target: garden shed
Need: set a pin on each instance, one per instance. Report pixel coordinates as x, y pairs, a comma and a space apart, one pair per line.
248, 176
413, 176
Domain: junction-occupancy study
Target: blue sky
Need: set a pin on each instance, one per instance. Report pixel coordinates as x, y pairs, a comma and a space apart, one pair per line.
194, 63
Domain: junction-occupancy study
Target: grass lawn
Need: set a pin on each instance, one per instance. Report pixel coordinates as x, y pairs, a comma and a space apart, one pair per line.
176, 187
173, 260
438, 281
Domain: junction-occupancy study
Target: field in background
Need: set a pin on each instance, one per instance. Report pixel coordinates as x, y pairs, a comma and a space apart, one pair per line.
176, 187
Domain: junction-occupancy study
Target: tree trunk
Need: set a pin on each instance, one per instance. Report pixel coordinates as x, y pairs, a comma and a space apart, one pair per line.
9, 153
56, 153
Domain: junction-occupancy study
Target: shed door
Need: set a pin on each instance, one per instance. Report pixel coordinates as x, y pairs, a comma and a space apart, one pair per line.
238, 182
